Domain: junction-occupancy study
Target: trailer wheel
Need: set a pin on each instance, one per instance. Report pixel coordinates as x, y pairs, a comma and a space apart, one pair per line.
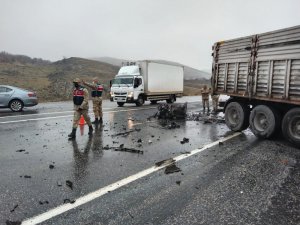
121, 104
172, 99
264, 121
291, 126
236, 116
140, 101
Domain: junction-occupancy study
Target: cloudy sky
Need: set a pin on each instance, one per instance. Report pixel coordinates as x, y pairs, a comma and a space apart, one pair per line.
176, 30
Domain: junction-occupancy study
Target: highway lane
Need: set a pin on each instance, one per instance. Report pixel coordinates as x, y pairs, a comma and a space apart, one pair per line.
90, 167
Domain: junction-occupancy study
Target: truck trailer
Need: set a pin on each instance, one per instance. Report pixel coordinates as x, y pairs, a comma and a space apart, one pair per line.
261, 74
137, 82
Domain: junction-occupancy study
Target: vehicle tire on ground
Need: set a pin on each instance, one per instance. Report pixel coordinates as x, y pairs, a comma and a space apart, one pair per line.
237, 116
16, 105
153, 102
121, 104
172, 99
291, 126
140, 101
264, 121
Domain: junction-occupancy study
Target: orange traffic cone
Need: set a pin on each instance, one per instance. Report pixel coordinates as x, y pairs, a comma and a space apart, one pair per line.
81, 121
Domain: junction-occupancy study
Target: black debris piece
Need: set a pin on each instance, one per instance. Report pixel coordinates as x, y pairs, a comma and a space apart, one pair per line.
184, 140
173, 125
221, 143
8, 222
69, 184
139, 141
67, 200
130, 215
165, 162
51, 166
106, 147
43, 202
178, 182
132, 150
21, 150
27, 176
16, 206
172, 169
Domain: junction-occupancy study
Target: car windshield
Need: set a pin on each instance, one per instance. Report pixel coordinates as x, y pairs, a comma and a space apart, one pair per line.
122, 81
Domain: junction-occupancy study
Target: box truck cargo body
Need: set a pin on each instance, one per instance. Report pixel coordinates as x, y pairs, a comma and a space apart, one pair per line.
261, 74
147, 80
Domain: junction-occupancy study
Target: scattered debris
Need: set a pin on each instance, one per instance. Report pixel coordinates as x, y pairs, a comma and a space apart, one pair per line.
149, 142
172, 169
125, 134
69, 184
173, 111
43, 202
8, 222
59, 184
51, 166
221, 143
130, 215
139, 141
66, 200
106, 147
16, 206
27, 176
21, 150
165, 162
184, 140
132, 150
206, 119
178, 182
173, 125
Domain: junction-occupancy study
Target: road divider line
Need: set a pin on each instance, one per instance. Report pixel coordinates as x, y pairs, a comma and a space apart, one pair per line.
112, 187
37, 114
55, 117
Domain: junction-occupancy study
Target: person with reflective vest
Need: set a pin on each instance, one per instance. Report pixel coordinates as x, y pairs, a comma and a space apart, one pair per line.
96, 93
81, 107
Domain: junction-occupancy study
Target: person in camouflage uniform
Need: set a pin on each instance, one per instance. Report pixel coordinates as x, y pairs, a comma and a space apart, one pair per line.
215, 102
205, 91
81, 107
96, 93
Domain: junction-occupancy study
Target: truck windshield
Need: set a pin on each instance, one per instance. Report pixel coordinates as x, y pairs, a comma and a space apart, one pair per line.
122, 81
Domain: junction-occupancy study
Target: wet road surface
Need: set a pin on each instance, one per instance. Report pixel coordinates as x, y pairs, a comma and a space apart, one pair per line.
241, 181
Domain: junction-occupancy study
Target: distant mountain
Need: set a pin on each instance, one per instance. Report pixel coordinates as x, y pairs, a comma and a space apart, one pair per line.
189, 72
110, 60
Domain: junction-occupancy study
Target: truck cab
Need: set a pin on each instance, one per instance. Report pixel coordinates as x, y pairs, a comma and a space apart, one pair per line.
127, 86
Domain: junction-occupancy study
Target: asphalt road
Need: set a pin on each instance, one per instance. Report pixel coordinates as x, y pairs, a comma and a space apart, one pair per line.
218, 177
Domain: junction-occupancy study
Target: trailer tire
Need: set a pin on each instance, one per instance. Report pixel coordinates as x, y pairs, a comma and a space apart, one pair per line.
120, 104
291, 126
237, 116
140, 101
264, 121
172, 99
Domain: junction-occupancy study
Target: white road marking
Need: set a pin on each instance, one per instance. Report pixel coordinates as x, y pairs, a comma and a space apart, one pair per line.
37, 114
102, 191
54, 117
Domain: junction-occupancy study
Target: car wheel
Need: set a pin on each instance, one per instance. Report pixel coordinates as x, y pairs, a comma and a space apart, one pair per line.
16, 105
237, 116
264, 121
291, 126
121, 104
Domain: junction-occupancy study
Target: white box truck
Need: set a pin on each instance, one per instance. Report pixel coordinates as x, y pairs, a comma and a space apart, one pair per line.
137, 82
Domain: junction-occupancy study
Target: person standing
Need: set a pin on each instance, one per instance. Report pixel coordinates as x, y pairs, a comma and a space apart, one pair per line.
215, 102
205, 91
81, 107
97, 90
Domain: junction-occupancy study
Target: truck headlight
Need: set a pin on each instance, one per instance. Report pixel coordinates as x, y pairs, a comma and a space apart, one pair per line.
130, 94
